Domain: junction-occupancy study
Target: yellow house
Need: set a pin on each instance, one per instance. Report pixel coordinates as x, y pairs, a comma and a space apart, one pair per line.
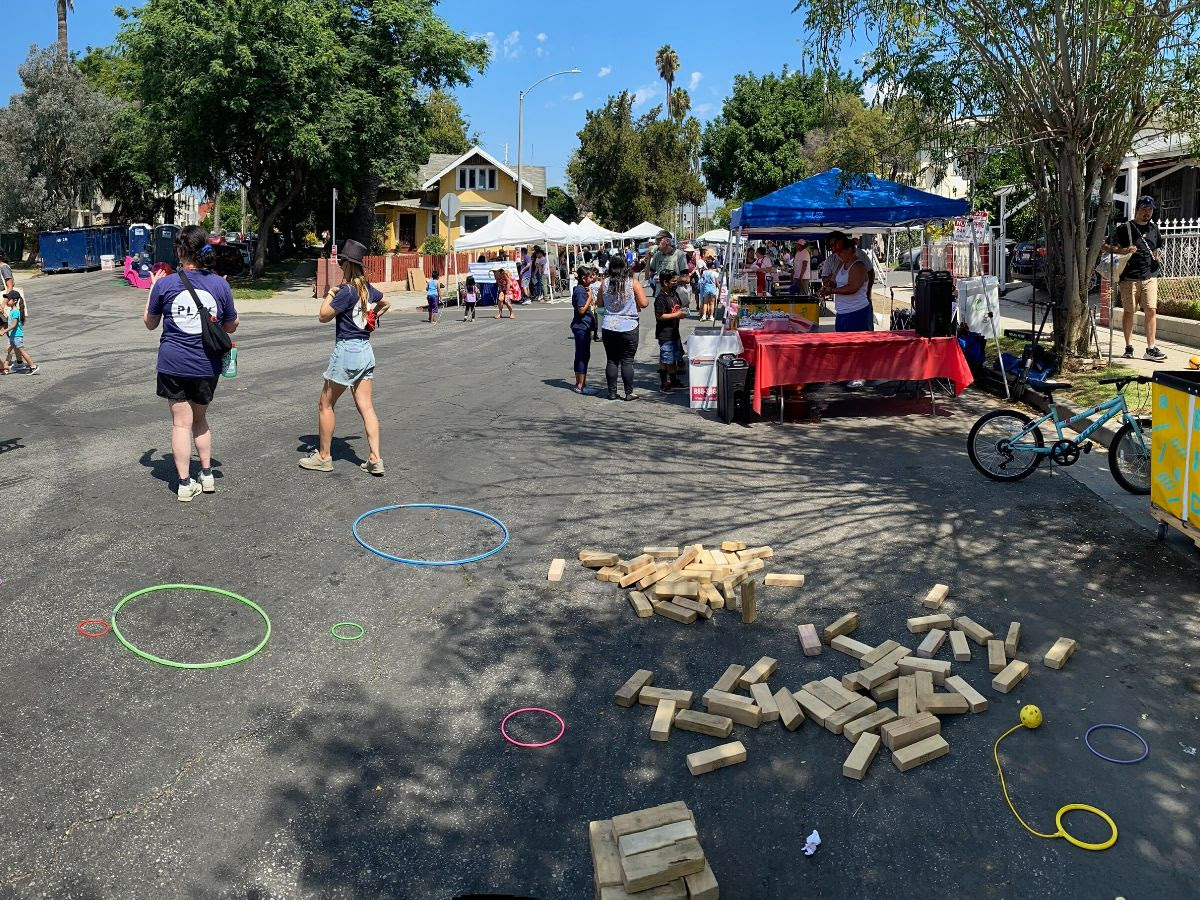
485, 187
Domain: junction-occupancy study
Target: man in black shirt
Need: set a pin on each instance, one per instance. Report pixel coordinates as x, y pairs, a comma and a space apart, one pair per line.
1139, 239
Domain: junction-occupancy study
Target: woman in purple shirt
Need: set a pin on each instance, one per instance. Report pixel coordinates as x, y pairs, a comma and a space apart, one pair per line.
187, 375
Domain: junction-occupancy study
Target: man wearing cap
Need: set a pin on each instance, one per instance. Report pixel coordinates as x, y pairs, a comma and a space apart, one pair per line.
1139, 239
669, 263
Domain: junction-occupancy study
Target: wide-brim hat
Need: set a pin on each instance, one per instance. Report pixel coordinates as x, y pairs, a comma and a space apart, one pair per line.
352, 251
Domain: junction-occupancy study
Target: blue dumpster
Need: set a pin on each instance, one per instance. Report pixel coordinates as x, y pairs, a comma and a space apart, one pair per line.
69, 250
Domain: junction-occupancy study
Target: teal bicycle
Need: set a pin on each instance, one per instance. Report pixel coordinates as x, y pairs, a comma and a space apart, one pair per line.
1007, 445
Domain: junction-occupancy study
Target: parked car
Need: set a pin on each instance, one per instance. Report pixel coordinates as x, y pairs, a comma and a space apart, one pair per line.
1028, 264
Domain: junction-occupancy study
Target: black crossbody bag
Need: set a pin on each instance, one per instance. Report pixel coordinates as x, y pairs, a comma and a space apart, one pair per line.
217, 341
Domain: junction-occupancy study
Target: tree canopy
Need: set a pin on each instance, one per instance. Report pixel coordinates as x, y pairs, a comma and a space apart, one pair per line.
447, 129
559, 203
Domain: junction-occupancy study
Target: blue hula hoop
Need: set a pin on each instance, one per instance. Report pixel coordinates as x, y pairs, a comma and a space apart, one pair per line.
425, 562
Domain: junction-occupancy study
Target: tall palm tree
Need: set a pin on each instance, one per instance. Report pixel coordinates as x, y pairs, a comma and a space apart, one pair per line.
64, 6
678, 104
667, 62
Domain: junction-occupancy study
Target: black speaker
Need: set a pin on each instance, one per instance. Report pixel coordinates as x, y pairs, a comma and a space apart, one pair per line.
933, 303
735, 381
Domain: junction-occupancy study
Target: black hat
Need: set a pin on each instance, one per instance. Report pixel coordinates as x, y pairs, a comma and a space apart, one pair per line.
352, 251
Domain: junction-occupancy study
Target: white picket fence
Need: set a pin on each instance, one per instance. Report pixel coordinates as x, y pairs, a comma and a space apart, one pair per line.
1180, 248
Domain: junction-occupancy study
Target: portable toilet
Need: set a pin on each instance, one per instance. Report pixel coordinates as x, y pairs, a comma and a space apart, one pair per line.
164, 245
64, 251
139, 239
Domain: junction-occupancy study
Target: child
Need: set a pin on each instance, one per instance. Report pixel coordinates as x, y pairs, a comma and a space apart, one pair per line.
433, 295
470, 297
15, 329
667, 312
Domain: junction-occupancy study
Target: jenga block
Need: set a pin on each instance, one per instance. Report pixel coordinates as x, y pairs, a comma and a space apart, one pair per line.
608, 573
765, 701
871, 722
650, 696
733, 546
661, 552
1012, 640
716, 758
879, 653
760, 671
958, 644
906, 698
628, 694
756, 553
938, 668
790, 713
672, 890
810, 642
973, 630
698, 575
848, 713
932, 643
922, 624
726, 697
670, 588
749, 567
921, 752
900, 733
661, 570
741, 713
719, 558
996, 658
703, 723
886, 691
557, 567
866, 748
749, 603
976, 702
944, 704
850, 682
686, 558
703, 610
653, 817
877, 674
647, 568
705, 556
841, 626
656, 838
712, 596
896, 655
1010, 676
727, 682
660, 728
831, 698
676, 613
623, 566
924, 686
1056, 657
702, 885
597, 559
606, 856
936, 597
780, 580
850, 646
846, 693
641, 604
646, 870
814, 708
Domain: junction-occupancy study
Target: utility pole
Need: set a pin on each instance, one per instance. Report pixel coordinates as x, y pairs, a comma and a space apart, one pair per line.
245, 223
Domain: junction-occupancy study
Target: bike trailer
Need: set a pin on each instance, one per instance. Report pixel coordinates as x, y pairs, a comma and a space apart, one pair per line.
1175, 459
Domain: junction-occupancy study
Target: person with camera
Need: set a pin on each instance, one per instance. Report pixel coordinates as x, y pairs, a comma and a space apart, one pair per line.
187, 372
1140, 240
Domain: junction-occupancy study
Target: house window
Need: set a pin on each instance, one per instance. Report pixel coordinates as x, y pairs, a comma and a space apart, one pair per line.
431, 220
476, 178
474, 221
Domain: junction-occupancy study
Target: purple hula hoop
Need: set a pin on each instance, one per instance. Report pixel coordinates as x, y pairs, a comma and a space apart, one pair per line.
562, 726
1120, 762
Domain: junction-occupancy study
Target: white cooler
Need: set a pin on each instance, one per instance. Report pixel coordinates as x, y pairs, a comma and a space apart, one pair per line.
703, 350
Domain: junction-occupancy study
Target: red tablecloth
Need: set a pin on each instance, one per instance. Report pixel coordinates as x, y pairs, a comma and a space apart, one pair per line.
781, 359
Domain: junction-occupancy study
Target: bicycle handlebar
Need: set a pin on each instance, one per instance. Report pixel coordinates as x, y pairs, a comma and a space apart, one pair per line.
1140, 379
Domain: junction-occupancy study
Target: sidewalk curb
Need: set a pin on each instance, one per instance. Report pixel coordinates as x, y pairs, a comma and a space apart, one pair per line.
1031, 398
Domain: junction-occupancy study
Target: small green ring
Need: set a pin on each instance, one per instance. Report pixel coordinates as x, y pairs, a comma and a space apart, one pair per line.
346, 637
183, 665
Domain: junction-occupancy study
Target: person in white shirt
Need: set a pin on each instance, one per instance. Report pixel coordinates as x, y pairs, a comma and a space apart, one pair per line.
764, 269
850, 289
801, 274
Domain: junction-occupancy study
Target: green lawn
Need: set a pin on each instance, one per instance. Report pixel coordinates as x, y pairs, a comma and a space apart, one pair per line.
265, 286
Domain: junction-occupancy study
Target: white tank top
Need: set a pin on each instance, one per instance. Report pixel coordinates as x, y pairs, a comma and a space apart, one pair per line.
848, 303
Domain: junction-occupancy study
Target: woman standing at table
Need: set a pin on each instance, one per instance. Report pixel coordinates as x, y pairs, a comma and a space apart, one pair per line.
850, 290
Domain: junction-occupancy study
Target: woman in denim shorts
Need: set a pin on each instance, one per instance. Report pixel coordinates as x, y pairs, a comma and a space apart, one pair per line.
356, 308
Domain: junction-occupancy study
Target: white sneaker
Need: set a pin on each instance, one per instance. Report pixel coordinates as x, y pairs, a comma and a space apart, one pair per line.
208, 483
188, 491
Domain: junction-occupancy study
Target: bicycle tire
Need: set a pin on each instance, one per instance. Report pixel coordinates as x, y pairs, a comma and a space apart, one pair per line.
1121, 455
1016, 474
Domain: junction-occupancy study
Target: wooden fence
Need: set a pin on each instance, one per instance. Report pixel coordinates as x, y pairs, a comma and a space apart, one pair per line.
391, 268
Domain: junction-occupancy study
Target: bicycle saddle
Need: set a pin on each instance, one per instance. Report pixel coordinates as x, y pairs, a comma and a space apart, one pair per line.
1049, 387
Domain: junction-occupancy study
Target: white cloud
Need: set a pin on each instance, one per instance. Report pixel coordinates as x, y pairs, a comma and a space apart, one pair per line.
604, 72
703, 109
541, 37
695, 82
512, 45
578, 95
644, 95
870, 92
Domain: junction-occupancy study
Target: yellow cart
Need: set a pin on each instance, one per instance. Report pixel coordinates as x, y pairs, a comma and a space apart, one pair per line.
1175, 453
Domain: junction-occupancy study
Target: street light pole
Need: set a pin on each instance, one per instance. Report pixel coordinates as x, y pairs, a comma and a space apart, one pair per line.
521, 128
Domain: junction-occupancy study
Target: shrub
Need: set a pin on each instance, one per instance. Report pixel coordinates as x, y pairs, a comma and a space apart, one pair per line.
433, 246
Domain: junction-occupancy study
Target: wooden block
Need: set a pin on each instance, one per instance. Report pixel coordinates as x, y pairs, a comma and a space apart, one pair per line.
871, 722
653, 817
606, 856
650, 696
814, 708
920, 753
879, 653
886, 691
741, 713
749, 603
973, 630
1056, 657
628, 694
733, 546
936, 597
866, 748
996, 658
906, 698
669, 588
703, 723
641, 604
810, 642
1010, 676
729, 680
646, 870
848, 713
846, 693
900, 733
976, 702
850, 682
760, 671
597, 559
719, 558
660, 728
922, 624
844, 625
702, 885
672, 890
700, 576
710, 595
726, 697
1012, 640
661, 570
676, 613
623, 566
557, 567
958, 644
608, 573
686, 558
781, 580
896, 655
716, 758
944, 704
877, 674
638, 561
924, 686
656, 838
661, 552
850, 646
938, 668
833, 699
932, 643
790, 713
701, 609
756, 553
765, 700
647, 568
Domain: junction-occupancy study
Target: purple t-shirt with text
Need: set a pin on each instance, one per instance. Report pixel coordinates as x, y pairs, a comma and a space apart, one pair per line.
181, 348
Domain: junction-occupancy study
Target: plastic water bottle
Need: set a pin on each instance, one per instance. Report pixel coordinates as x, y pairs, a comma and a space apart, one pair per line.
229, 364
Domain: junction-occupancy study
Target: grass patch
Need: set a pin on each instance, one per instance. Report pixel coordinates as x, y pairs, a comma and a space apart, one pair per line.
265, 286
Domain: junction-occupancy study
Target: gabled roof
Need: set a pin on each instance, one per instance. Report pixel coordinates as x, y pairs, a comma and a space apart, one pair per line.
439, 164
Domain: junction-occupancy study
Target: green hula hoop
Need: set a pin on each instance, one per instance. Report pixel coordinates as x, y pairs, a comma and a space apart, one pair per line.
185, 665
347, 637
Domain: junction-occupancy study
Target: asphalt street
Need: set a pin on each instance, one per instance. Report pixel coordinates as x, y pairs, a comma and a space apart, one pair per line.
375, 768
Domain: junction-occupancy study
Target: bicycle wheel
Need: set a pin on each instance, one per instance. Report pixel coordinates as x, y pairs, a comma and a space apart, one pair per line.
1129, 458
988, 445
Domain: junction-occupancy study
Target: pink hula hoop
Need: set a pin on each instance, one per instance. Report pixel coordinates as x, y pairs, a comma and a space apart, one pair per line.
562, 726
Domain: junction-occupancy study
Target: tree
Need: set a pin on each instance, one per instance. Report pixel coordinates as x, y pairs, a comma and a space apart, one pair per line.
63, 7
559, 203
447, 128
868, 139
678, 104
1067, 86
666, 61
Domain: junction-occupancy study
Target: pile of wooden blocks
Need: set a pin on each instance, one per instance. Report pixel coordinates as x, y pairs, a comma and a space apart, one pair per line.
652, 854
688, 584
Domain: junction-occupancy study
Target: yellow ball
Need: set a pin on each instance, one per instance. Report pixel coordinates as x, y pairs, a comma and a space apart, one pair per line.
1031, 716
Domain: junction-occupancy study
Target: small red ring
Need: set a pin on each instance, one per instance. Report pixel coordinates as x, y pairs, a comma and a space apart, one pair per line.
92, 634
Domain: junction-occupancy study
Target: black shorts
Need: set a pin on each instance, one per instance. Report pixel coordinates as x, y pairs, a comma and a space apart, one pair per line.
186, 387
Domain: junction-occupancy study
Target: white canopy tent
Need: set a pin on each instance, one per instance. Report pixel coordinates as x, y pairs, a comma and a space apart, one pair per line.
642, 232
588, 232
560, 228
509, 229
716, 236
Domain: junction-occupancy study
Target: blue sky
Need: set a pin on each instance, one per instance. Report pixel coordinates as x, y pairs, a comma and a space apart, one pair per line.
531, 39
